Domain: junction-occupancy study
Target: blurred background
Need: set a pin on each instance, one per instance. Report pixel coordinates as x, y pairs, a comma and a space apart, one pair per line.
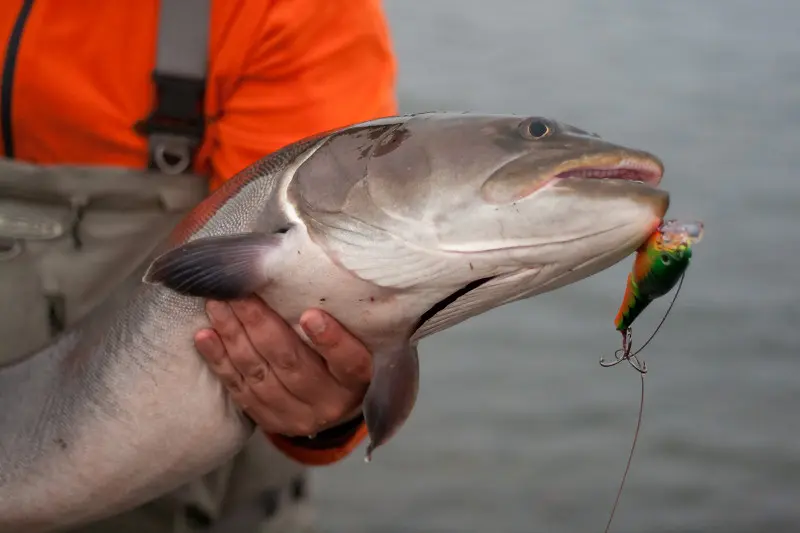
517, 427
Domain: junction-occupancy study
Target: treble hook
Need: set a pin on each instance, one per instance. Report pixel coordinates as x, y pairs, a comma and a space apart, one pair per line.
624, 354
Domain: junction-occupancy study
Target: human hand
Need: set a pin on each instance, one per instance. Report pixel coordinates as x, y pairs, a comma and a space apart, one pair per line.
285, 386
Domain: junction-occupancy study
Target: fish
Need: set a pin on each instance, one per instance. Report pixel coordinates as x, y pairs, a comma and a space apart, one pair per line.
658, 266
399, 227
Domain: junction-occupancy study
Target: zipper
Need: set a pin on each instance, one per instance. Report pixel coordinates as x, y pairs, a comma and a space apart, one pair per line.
9, 66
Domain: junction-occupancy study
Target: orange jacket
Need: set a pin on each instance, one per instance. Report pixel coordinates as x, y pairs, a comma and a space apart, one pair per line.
76, 76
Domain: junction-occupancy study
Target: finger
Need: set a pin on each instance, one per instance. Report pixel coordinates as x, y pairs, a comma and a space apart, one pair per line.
269, 334
239, 350
260, 388
277, 343
297, 367
267, 402
210, 347
347, 358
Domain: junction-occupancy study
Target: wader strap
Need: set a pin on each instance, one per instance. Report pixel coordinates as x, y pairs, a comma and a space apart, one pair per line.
177, 124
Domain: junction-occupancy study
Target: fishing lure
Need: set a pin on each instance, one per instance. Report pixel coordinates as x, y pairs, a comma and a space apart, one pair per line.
659, 265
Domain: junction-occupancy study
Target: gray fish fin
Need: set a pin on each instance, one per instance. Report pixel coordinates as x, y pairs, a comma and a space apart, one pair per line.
391, 395
221, 268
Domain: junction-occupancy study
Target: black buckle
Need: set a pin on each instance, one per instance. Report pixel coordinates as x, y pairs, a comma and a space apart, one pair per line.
177, 123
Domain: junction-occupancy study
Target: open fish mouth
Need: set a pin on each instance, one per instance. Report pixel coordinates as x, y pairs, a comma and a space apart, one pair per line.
645, 170
632, 176
629, 166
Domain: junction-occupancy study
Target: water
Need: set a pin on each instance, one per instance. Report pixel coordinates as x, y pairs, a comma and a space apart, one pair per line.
517, 428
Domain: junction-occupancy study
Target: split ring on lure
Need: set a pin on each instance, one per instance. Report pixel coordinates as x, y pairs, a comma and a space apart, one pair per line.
660, 264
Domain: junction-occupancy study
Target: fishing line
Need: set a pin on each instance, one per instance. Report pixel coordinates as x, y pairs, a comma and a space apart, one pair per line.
642, 369
630, 456
664, 318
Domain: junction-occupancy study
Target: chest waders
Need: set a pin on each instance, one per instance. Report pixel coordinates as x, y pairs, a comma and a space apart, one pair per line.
70, 234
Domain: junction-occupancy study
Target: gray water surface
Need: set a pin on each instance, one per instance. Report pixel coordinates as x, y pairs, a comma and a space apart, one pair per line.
517, 428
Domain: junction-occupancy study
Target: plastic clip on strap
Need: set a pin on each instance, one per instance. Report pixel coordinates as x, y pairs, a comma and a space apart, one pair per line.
176, 125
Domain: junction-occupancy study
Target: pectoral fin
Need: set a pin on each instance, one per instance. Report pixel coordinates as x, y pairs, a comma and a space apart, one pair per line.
391, 394
222, 268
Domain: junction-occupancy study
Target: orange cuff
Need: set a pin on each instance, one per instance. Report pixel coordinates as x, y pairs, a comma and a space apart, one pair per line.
315, 456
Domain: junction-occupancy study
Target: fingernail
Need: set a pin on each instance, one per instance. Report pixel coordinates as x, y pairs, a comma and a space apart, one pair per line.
315, 324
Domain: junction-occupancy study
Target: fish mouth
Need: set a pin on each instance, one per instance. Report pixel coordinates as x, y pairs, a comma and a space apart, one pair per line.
527, 176
636, 177
644, 169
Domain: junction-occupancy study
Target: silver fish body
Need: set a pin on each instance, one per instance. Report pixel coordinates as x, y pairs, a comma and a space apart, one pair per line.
399, 227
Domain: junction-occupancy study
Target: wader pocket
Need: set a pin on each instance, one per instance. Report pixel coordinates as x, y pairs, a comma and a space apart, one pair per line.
71, 237
24, 310
29, 314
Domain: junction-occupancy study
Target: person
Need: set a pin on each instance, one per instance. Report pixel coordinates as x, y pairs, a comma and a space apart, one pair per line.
116, 118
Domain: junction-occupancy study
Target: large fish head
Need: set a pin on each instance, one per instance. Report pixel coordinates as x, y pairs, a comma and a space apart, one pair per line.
518, 205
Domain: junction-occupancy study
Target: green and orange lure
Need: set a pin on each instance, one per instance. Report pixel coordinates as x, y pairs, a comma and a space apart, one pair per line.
659, 265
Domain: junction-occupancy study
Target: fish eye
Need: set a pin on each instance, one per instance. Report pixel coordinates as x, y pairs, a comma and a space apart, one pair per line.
538, 129
666, 259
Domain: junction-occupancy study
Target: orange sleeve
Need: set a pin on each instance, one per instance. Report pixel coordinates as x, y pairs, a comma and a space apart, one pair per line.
312, 66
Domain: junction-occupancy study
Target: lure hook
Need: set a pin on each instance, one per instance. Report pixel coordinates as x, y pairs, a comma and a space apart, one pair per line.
624, 354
